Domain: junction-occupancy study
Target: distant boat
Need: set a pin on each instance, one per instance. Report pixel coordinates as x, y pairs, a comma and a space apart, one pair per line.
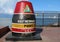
52, 17
36, 14
55, 24
55, 17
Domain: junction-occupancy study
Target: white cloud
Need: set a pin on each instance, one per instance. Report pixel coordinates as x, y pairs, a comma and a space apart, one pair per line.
7, 6
2, 2
22, 0
9, 10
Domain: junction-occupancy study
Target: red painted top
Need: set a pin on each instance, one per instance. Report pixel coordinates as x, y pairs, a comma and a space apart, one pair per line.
24, 7
24, 0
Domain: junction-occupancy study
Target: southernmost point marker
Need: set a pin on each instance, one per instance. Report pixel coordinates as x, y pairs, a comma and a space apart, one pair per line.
23, 23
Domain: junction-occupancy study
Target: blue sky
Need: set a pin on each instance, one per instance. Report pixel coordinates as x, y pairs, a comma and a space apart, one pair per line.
46, 5
8, 6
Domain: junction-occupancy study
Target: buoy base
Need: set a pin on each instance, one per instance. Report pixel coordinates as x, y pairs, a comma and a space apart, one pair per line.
14, 38
23, 35
37, 36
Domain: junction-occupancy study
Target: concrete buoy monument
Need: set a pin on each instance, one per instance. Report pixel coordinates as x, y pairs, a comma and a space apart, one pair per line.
23, 23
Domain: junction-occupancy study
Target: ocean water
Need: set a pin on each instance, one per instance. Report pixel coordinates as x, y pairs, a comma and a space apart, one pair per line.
46, 21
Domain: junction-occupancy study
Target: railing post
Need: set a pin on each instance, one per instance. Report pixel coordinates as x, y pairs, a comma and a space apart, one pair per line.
43, 19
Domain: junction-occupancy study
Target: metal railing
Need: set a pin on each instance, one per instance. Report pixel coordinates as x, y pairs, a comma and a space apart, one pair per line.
47, 19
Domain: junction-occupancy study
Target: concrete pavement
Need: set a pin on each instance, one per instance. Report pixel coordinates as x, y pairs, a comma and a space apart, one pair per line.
49, 34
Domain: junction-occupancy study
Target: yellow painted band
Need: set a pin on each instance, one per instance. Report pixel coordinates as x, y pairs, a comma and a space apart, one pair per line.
15, 25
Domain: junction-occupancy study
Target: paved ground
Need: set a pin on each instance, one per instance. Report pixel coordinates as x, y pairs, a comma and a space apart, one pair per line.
49, 34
